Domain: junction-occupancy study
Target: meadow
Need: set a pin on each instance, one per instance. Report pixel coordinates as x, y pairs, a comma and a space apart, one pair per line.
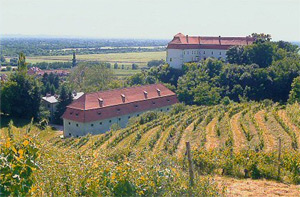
140, 58
235, 144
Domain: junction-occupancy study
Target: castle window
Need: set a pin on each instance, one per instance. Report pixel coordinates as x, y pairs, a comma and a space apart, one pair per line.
109, 121
167, 109
119, 119
138, 115
76, 125
92, 125
128, 117
69, 123
220, 53
100, 123
170, 59
203, 52
69, 134
161, 110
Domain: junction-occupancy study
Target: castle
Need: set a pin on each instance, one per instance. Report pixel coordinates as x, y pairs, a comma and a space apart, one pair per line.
184, 48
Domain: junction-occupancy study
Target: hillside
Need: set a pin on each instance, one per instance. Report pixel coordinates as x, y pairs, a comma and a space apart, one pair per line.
237, 140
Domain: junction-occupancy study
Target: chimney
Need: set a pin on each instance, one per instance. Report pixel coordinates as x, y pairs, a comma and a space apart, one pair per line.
187, 38
100, 102
220, 40
158, 91
146, 94
123, 98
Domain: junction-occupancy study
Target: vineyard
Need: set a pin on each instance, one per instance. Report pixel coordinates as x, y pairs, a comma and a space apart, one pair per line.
238, 140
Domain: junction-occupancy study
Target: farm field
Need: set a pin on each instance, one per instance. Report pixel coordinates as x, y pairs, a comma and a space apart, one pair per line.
232, 146
127, 59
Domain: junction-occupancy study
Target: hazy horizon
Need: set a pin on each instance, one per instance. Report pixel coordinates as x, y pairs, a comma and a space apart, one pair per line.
144, 19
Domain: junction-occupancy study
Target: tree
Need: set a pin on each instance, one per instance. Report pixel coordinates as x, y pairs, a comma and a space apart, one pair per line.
2, 58
295, 91
116, 66
155, 63
74, 63
134, 66
52, 89
20, 95
90, 77
22, 65
64, 99
260, 53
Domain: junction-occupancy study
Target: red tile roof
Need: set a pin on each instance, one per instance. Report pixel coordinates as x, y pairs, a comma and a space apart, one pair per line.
88, 107
181, 41
38, 71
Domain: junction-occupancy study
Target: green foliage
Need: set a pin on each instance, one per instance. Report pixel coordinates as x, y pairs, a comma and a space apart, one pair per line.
90, 77
153, 63
65, 98
21, 94
18, 161
295, 91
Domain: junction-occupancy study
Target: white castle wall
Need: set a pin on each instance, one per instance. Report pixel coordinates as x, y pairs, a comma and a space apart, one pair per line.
76, 129
177, 57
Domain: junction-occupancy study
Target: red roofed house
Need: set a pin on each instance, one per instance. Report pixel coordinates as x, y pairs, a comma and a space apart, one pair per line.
184, 49
95, 112
37, 71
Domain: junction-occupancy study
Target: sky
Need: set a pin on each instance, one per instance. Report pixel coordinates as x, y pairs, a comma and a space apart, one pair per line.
153, 19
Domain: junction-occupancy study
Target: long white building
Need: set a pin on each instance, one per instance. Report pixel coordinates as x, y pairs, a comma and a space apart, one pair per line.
96, 112
183, 49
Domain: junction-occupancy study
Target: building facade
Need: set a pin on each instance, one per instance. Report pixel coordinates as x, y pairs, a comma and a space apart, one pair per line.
50, 102
183, 48
95, 113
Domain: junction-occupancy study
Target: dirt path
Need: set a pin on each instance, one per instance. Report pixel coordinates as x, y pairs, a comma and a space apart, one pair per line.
212, 140
250, 187
239, 139
269, 139
186, 136
282, 114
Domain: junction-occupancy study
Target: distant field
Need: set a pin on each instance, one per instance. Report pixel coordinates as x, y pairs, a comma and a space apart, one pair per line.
121, 58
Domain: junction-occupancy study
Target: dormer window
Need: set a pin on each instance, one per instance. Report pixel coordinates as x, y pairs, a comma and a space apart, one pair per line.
136, 106
168, 100
158, 91
71, 113
99, 113
76, 114
123, 98
118, 110
153, 102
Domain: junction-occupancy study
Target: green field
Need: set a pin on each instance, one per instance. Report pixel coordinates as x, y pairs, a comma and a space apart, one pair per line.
121, 58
